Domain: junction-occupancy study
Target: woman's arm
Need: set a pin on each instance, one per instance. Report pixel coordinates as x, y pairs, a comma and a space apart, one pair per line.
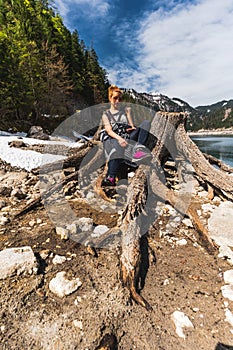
111, 133
129, 117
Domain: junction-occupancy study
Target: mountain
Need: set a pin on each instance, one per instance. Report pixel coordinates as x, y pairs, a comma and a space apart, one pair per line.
217, 115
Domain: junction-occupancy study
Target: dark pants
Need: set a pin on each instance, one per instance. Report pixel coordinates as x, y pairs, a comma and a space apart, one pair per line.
115, 153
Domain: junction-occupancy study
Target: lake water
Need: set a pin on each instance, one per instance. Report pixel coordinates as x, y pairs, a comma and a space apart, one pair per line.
220, 147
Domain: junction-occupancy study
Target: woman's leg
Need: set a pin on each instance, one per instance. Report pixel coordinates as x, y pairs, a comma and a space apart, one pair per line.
114, 154
141, 133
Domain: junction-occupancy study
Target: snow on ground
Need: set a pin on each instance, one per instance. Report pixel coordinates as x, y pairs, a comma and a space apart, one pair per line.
27, 159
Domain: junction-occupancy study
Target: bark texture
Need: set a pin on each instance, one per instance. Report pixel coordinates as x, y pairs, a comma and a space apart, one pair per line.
168, 140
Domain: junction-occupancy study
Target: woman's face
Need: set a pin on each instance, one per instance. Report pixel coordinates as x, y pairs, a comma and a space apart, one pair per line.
115, 99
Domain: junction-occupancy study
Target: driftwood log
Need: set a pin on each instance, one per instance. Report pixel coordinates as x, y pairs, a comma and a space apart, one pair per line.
169, 141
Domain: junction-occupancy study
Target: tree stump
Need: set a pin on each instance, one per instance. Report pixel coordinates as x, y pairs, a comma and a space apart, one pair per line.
169, 141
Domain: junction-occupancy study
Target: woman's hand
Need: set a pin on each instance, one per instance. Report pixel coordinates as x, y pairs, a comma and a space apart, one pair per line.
122, 142
129, 130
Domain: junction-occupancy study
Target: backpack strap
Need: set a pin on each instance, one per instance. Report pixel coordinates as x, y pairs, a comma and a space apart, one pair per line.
111, 117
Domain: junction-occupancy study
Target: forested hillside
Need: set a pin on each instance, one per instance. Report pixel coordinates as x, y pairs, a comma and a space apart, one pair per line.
44, 68
217, 115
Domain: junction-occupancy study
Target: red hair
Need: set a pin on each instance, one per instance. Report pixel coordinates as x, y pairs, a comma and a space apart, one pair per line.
112, 89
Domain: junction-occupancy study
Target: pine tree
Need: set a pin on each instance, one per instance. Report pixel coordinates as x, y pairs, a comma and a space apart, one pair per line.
44, 68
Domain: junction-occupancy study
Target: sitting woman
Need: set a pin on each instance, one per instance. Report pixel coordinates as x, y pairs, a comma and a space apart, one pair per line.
118, 130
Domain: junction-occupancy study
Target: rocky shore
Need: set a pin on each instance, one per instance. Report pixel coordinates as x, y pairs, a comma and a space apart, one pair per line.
212, 132
58, 293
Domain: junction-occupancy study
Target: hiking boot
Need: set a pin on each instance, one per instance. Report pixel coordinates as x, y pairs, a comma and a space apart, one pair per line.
140, 155
109, 181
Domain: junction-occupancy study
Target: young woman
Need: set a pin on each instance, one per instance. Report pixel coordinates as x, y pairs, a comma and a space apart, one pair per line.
118, 130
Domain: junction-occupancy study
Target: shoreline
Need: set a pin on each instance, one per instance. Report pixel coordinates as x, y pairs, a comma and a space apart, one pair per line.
213, 132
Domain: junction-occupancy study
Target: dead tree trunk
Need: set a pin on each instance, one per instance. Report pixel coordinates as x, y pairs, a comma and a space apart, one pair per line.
149, 185
172, 141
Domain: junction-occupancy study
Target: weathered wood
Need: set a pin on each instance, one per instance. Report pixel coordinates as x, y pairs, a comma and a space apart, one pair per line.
75, 160
130, 225
218, 179
215, 161
137, 192
172, 141
72, 161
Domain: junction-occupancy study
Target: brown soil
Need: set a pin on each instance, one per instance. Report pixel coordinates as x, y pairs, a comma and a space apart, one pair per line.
185, 278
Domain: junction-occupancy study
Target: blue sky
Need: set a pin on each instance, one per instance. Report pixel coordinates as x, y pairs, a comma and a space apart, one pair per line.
180, 48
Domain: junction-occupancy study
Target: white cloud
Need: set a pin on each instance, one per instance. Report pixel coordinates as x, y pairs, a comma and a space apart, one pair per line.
185, 52
92, 9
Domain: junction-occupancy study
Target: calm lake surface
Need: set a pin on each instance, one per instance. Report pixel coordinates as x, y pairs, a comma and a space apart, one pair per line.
220, 147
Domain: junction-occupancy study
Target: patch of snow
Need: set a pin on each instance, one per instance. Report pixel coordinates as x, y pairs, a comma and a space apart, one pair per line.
178, 102
27, 159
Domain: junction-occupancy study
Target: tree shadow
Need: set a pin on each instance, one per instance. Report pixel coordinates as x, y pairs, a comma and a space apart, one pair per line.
145, 261
221, 346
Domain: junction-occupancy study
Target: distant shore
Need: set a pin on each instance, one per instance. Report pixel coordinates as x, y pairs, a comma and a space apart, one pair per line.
212, 132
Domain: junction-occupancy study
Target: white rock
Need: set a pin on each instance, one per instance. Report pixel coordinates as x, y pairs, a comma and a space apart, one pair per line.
207, 207
61, 286
99, 230
131, 174
16, 261
203, 194
103, 207
90, 195
85, 224
220, 226
166, 282
44, 253
227, 291
195, 309
72, 228
77, 300
228, 277
181, 320
170, 209
7, 209
32, 223
181, 242
187, 222
226, 252
229, 317
63, 232
3, 220
58, 259
217, 200
78, 324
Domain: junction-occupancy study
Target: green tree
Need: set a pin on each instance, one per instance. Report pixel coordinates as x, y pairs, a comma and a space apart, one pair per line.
44, 68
